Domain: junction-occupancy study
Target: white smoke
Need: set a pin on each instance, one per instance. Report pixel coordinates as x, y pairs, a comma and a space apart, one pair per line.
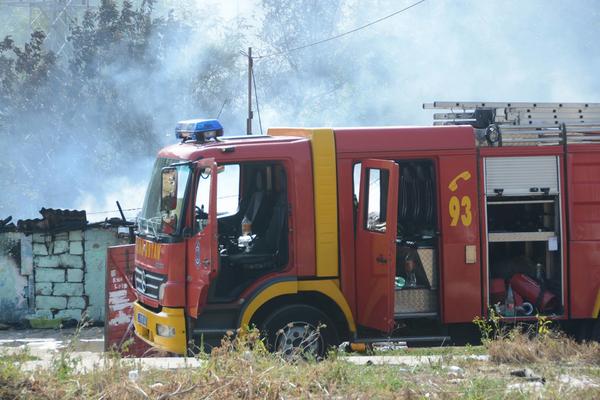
504, 50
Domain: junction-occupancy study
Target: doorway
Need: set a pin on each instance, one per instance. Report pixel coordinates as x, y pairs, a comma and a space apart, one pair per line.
416, 277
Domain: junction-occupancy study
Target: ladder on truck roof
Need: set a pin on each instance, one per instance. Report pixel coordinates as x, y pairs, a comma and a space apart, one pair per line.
519, 123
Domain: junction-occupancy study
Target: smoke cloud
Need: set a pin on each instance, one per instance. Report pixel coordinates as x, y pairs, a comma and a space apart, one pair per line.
440, 50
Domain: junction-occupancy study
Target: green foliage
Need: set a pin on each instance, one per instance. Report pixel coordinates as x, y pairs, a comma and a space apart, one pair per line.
488, 327
23, 72
65, 362
292, 23
106, 101
544, 325
64, 365
110, 36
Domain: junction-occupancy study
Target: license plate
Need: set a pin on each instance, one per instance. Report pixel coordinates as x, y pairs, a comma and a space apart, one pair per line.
142, 319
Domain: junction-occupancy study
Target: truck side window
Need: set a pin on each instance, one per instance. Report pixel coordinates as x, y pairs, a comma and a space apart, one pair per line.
356, 189
376, 190
228, 191
203, 200
356, 179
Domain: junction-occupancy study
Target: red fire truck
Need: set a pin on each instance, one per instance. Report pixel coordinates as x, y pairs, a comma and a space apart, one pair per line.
318, 236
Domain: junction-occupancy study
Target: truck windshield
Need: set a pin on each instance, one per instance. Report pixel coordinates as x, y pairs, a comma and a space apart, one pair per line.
154, 221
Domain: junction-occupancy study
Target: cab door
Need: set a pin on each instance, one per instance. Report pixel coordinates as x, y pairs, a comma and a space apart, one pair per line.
202, 258
375, 245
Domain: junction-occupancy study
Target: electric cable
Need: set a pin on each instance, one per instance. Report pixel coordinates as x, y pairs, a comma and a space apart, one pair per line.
112, 211
256, 97
341, 34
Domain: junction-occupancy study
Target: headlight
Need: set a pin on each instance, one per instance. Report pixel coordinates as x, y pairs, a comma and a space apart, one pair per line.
164, 330
161, 291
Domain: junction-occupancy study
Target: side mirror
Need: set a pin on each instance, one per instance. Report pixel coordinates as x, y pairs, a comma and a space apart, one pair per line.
168, 190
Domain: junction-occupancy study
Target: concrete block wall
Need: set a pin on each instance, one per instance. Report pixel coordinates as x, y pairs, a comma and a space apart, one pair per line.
58, 265
54, 275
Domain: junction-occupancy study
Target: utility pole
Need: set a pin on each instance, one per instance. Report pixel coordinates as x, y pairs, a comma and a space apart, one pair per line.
250, 72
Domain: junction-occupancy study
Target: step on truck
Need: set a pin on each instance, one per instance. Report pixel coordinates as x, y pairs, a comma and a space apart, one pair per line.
319, 236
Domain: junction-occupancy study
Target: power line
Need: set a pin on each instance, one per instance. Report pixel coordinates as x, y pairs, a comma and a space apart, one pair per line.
341, 34
112, 211
257, 107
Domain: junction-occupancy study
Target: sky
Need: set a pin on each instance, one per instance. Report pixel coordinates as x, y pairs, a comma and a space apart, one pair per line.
464, 50
468, 50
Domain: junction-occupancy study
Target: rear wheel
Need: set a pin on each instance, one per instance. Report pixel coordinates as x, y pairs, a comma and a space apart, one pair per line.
300, 330
596, 330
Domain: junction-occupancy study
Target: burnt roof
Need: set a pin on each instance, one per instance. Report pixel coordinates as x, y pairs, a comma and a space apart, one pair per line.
54, 220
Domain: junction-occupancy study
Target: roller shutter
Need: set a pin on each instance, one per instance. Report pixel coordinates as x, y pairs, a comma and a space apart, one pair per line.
521, 176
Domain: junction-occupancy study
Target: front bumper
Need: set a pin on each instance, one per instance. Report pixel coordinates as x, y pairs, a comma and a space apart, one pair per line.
145, 322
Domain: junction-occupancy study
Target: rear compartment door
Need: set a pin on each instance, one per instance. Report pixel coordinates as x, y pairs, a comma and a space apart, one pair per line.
202, 258
376, 244
584, 229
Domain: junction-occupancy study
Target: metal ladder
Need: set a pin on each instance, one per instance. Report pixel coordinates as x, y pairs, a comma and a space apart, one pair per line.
520, 123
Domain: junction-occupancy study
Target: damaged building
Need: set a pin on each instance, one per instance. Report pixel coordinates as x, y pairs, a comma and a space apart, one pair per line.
53, 268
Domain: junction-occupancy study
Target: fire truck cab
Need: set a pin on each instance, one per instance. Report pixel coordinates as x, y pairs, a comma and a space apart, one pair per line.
318, 236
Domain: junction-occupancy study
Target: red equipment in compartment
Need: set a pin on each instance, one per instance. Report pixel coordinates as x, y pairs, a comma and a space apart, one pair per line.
530, 290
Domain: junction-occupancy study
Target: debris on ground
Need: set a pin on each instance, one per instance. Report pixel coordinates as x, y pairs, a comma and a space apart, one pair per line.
578, 383
528, 374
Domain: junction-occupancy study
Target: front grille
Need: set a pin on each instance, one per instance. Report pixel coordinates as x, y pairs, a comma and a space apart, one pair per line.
148, 283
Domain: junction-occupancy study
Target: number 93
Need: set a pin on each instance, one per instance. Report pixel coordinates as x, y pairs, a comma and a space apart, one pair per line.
460, 210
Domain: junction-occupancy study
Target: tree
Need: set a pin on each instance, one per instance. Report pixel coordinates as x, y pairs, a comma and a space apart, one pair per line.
313, 76
103, 109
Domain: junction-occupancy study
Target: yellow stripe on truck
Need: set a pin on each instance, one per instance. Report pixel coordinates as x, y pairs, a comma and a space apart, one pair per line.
325, 195
328, 287
596, 311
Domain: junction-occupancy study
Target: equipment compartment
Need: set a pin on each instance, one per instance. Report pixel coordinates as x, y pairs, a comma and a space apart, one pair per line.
524, 248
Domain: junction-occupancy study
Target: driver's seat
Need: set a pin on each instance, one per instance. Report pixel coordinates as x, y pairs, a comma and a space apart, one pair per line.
257, 198
266, 251
269, 250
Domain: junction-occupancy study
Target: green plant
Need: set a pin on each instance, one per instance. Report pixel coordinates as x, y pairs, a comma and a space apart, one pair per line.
489, 327
64, 363
543, 325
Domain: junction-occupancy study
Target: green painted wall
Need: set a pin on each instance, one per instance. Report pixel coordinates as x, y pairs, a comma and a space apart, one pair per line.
96, 243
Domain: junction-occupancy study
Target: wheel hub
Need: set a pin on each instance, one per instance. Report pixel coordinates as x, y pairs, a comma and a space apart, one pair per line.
298, 338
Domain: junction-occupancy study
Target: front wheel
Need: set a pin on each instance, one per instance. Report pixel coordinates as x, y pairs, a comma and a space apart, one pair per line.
300, 330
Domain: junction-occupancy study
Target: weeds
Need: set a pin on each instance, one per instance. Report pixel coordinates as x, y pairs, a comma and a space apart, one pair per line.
490, 328
543, 325
518, 346
536, 343
64, 363
242, 367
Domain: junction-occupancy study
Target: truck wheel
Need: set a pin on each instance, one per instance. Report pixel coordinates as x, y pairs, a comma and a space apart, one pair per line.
300, 330
596, 330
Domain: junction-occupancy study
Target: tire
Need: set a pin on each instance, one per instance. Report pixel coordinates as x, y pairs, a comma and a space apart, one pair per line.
299, 330
581, 329
596, 330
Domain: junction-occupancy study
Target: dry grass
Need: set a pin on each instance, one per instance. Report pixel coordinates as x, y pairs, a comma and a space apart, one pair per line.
242, 369
518, 347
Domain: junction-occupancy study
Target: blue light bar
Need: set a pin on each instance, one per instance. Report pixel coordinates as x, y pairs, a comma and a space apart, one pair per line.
198, 129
